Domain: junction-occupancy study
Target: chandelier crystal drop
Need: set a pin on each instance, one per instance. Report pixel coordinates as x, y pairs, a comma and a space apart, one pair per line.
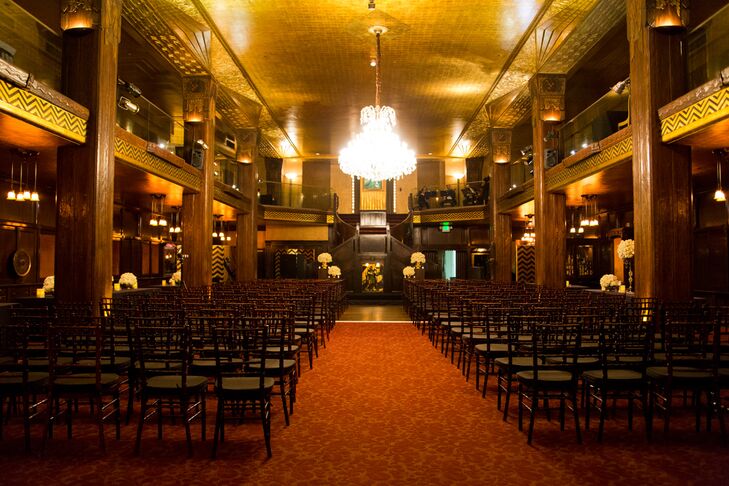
377, 153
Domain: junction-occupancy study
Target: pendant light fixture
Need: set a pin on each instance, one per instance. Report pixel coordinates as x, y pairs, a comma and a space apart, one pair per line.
20, 196
573, 230
594, 221
377, 153
719, 195
34, 195
11, 192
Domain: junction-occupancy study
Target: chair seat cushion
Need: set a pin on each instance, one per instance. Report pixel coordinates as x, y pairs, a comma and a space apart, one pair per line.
245, 383
119, 363
581, 360
546, 376
84, 380
36, 363
212, 363
170, 383
15, 378
272, 364
679, 372
493, 348
160, 365
4, 360
613, 375
516, 362
286, 349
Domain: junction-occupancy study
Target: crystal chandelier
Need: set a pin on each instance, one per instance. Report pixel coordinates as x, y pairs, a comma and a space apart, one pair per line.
377, 153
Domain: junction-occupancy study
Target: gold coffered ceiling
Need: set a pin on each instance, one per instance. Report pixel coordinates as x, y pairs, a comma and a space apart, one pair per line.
451, 69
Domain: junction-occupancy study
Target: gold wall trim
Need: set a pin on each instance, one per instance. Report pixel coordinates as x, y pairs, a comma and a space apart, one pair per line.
456, 214
31, 108
696, 116
272, 213
133, 152
330, 219
610, 154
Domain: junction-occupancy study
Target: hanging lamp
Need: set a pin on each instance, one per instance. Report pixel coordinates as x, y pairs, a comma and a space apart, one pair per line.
377, 153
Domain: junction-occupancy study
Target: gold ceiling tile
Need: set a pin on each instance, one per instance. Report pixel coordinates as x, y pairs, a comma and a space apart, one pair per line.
309, 61
606, 15
147, 22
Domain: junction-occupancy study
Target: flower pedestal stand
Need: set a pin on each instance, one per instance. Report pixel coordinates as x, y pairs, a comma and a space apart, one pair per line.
419, 274
323, 273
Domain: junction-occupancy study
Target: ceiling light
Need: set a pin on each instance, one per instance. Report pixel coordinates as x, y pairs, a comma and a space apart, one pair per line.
580, 230
620, 86
153, 222
373, 62
377, 153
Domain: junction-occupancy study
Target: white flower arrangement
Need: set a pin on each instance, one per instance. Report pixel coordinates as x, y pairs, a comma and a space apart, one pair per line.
418, 259
176, 278
626, 249
49, 284
128, 281
334, 271
324, 258
609, 280
408, 272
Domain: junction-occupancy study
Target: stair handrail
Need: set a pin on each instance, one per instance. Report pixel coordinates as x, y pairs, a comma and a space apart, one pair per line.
403, 231
343, 231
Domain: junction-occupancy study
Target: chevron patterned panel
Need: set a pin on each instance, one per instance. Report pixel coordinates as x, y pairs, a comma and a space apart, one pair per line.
457, 215
140, 158
219, 273
607, 157
34, 109
526, 264
696, 116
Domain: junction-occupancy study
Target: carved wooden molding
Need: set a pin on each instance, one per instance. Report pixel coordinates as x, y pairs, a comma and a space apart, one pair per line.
196, 94
451, 214
24, 80
501, 145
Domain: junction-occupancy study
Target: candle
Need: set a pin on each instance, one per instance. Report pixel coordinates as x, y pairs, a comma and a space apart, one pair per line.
622, 289
117, 286
172, 282
568, 283
164, 283
40, 293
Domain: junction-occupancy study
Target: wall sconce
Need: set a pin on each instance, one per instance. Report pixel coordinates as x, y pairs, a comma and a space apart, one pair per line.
669, 16
501, 145
128, 105
78, 15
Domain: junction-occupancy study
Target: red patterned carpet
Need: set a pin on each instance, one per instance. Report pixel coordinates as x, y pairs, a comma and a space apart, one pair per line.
380, 407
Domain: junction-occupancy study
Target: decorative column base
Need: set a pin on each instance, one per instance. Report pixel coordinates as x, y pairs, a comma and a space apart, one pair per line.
323, 273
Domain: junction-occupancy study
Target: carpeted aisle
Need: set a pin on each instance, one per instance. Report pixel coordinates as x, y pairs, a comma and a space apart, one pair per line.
381, 406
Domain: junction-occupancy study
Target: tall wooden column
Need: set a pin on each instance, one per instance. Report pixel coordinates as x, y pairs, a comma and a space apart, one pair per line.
197, 207
85, 173
500, 223
661, 173
247, 225
547, 91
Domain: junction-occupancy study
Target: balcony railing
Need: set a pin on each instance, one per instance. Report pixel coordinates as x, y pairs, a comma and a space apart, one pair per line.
227, 171
295, 195
150, 122
708, 49
604, 117
30, 45
450, 195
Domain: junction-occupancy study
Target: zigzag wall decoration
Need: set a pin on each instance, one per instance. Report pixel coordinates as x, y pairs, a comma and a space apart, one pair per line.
219, 273
31, 108
696, 116
526, 264
140, 158
561, 176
